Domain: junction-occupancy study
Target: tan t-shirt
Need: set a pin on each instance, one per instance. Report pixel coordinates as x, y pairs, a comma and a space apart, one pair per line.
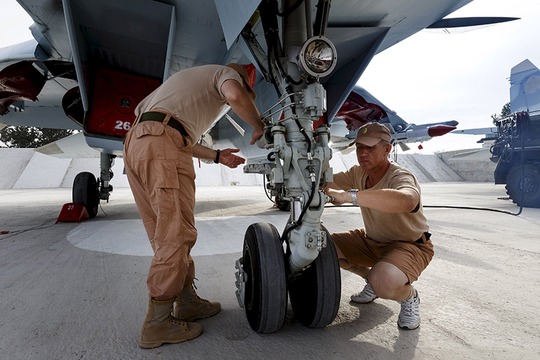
381, 226
193, 97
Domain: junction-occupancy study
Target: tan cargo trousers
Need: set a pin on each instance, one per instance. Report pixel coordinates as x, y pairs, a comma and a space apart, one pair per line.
159, 166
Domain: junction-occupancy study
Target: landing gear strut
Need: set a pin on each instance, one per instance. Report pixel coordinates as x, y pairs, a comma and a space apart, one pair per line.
302, 261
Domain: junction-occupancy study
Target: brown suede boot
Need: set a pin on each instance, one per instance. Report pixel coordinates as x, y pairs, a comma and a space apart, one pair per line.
189, 306
160, 327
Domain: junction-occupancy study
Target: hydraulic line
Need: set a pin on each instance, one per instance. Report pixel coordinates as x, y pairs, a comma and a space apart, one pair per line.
299, 222
447, 207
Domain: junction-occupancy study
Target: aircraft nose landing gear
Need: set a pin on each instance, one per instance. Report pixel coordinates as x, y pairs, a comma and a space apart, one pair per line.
263, 281
302, 262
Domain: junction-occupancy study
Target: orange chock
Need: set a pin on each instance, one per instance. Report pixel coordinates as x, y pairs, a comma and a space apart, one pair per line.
72, 212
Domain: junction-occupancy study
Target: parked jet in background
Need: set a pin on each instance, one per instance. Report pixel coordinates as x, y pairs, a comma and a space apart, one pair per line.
517, 146
516, 138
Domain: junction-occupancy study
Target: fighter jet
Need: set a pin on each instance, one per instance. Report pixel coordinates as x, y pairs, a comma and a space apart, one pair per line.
515, 140
93, 61
516, 147
83, 54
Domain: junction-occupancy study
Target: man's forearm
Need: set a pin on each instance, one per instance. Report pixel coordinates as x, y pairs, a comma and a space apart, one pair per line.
203, 152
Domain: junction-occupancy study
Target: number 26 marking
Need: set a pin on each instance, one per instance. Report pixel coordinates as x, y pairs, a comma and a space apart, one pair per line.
122, 125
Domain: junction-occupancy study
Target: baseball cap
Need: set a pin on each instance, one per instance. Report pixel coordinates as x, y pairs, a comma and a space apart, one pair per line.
371, 133
248, 74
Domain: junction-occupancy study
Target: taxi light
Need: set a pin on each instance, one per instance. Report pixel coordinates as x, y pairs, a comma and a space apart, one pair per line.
318, 56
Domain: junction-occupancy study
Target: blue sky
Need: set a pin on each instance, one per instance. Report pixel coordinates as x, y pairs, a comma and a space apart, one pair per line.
430, 76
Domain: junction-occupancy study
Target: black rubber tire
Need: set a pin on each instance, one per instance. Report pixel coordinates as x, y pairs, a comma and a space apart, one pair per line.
524, 190
266, 287
85, 191
315, 294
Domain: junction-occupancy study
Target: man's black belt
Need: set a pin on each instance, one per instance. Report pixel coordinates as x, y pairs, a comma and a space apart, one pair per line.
160, 117
424, 238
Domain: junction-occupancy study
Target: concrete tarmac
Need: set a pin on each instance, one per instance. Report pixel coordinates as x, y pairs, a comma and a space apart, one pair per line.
78, 291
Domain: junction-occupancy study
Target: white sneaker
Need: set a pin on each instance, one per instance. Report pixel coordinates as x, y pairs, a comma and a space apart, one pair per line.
409, 316
365, 296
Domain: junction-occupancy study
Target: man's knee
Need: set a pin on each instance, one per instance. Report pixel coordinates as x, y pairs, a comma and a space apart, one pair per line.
385, 279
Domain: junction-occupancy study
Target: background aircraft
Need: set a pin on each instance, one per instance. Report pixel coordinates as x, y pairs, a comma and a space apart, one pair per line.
516, 148
515, 138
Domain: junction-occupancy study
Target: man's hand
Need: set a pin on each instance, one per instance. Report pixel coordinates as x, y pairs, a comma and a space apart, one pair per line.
337, 197
257, 133
228, 158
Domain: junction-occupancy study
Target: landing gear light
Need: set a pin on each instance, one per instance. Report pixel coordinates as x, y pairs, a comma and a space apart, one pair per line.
318, 56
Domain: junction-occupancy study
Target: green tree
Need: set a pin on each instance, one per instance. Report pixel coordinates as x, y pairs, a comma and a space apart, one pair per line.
505, 112
30, 137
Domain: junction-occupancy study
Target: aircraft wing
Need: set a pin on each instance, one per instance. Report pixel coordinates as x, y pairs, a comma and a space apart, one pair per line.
477, 131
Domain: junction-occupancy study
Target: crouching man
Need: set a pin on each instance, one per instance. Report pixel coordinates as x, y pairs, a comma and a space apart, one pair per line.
394, 247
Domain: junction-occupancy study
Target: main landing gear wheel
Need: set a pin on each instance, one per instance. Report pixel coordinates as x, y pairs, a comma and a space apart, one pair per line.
85, 191
316, 292
266, 287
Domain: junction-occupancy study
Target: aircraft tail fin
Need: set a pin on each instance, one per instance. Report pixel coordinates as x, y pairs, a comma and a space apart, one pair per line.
525, 88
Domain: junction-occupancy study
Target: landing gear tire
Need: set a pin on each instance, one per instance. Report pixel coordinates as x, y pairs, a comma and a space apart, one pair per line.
523, 185
85, 191
266, 287
316, 292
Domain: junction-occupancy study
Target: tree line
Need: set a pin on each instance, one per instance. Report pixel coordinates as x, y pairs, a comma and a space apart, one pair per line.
30, 137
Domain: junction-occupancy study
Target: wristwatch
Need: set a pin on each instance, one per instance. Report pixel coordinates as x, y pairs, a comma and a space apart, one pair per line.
354, 199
